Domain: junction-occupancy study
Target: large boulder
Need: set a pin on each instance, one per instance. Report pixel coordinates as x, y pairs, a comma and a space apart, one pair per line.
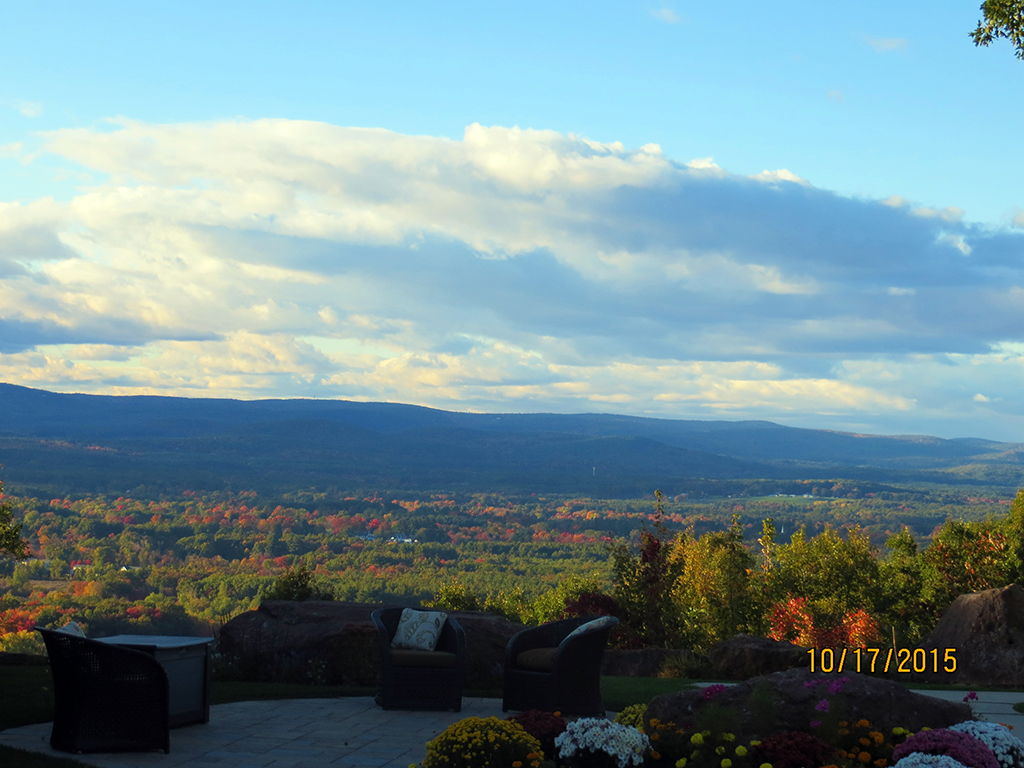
786, 701
744, 656
986, 630
336, 642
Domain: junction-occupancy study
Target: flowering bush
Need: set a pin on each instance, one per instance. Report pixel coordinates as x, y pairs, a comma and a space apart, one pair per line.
483, 742
794, 749
633, 715
623, 743
543, 726
1008, 749
860, 744
921, 760
961, 746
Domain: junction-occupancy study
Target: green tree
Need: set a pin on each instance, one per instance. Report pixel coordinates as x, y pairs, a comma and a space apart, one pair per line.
1003, 18
713, 595
10, 532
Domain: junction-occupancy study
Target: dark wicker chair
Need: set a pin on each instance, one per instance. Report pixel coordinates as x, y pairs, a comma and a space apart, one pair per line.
420, 679
106, 698
547, 670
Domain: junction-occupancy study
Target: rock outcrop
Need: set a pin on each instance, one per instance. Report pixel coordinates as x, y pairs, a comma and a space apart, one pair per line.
336, 642
784, 701
742, 657
986, 631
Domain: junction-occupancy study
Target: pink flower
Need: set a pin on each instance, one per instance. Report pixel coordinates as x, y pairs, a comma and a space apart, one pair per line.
972, 696
713, 690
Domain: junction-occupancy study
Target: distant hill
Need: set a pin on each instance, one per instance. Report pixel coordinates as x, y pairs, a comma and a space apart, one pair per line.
106, 444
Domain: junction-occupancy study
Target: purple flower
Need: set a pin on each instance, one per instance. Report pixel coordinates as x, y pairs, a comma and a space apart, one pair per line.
972, 696
837, 685
713, 690
969, 751
822, 705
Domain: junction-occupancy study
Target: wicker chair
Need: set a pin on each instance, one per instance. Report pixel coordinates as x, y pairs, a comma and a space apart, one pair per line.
546, 669
420, 679
106, 698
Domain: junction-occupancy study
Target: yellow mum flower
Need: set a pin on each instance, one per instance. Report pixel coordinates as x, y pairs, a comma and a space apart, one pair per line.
681, 762
697, 739
726, 763
741, 751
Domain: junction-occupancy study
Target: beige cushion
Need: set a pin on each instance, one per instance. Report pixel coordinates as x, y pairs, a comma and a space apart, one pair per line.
597, 623
418, 630
537, 659
400, 658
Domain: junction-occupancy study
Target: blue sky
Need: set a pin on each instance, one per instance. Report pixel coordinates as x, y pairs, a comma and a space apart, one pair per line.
806, 214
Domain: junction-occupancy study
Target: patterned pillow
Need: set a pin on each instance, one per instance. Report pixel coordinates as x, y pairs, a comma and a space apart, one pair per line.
418, 630
597, 623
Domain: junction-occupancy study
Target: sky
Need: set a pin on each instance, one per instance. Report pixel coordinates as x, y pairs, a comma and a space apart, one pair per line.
809, 213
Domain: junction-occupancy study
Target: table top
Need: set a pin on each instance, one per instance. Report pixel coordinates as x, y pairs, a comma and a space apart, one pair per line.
155, 641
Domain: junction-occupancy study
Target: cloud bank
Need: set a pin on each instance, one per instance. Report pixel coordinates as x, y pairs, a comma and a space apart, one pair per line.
511, 270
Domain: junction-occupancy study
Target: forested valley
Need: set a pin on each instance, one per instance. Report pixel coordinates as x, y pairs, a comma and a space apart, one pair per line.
817, 561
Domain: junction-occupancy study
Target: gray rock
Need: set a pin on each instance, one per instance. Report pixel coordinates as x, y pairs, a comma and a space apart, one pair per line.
336, 642
744, 656
986, 629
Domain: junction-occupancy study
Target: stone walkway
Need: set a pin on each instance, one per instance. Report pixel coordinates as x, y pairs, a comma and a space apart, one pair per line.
350, 732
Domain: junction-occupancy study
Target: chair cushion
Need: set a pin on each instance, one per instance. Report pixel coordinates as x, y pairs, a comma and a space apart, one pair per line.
401, 658
537, 659
418, 630
598, 623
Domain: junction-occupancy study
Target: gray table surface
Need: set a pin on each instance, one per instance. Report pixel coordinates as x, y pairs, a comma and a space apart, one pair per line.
156, 641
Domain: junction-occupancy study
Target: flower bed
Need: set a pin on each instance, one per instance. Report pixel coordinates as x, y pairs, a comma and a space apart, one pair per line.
600, 743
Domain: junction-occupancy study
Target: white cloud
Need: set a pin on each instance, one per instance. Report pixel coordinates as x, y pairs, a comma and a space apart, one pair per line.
30, 108
514, 269
667, 15
883, 44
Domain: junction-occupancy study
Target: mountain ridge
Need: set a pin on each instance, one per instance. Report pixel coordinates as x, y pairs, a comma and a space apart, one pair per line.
234, 442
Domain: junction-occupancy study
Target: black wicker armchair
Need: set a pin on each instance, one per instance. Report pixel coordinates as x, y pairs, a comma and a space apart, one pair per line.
106, 698
546, 669
420, 679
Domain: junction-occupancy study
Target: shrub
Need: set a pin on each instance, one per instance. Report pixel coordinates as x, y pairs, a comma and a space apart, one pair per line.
545, 727
298, 584
962, 747
483, 742
624, 744
859, 743
1008, 749
794, 749
632, 715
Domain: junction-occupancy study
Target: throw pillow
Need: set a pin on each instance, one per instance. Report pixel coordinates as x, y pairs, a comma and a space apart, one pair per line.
597, 623
418, 630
